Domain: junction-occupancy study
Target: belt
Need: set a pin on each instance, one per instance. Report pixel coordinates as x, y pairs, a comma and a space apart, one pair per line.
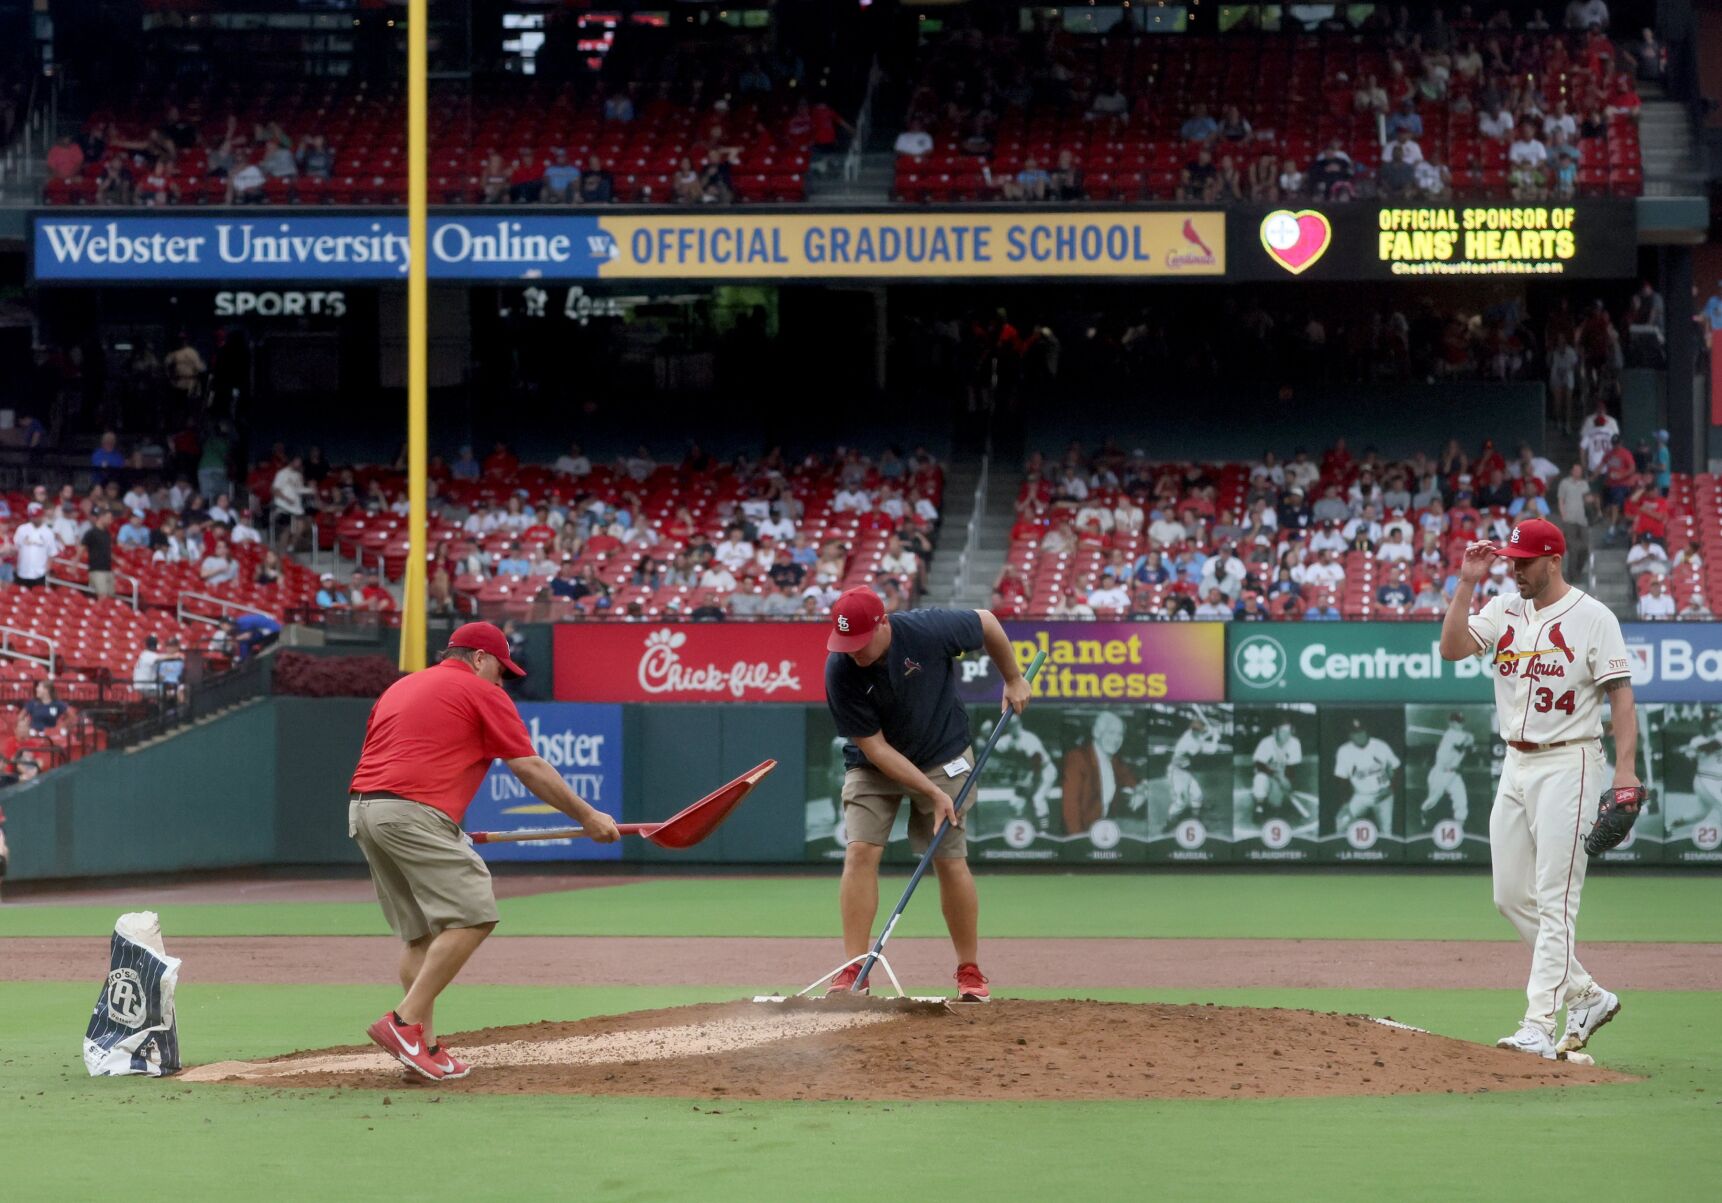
378, 796
1519, 745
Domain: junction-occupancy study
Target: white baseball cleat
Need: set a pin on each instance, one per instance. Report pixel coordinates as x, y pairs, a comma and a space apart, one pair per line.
1529, 1039
1585, 1015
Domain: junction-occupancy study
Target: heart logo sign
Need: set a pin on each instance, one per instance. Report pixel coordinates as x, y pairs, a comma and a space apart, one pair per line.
1296, 240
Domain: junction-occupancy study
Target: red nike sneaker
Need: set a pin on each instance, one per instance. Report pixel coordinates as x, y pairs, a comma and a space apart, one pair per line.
971, 983
452, 1066
845, 979
406, 1043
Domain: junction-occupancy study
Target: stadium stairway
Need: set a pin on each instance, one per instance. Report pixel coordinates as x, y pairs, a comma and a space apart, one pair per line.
991, 534
1671, 166
871, 186
1610, 583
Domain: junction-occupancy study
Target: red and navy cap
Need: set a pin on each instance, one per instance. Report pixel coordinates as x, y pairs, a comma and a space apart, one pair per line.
1535, 537
855, 615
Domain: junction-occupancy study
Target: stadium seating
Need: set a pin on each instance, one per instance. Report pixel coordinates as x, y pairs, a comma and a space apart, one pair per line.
1695, 504
1290, 89
366, 130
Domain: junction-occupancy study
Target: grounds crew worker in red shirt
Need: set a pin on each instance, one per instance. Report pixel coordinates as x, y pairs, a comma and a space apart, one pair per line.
891, 684
430, 740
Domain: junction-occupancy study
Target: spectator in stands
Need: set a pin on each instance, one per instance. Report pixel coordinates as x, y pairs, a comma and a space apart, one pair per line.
1656, 602
717, 577
1434, 181
69, 524
493, 180
597, 185
559, 179
65, 158
525, 178
1405, 117
685, 186
1396, 549
1233, 126
1030, 184
1647, 558
115, 186
717, 185
1397, 178
1111, 595
268, 570
1201, 179
315, 158
1496, 122
367, 592
1231, 186
36, 545
1620, 476
1214, 607
287, 494
1369, 98
1583, 15
1199, 126
1528, 159
1331, 173
1064, 183
1070, 604
98, 545
186, 370
914, 141
144, 676
135, 532
44, 710
1290, 182
245, 184
329, 595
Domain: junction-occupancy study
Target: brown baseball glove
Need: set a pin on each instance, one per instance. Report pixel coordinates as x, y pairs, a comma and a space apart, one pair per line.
1615, 817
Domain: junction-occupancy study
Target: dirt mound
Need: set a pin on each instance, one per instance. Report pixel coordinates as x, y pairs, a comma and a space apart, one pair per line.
1003, 1050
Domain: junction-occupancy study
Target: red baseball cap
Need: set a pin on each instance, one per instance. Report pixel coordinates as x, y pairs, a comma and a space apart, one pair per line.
855, 615
1535, 537
486, 637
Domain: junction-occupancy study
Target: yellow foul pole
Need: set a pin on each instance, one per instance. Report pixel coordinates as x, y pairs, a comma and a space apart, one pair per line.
413, 593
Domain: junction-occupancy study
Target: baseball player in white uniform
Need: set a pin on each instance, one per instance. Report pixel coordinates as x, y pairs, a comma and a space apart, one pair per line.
1275, 756
1705, 749
1369, 764
1556, 653
1445, 780
1199, 739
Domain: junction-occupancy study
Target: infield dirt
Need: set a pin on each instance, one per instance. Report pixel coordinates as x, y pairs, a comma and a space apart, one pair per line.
1011, 1049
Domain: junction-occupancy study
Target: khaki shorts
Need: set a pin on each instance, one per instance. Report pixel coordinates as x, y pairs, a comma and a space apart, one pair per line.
428, 878
871, 799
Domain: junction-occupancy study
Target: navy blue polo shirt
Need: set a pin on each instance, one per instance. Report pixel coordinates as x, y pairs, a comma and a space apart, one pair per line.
910, 694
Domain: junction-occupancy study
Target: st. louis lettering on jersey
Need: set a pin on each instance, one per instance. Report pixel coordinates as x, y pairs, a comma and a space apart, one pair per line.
132, 1027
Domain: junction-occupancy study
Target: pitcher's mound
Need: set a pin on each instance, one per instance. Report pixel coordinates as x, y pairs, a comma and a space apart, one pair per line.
1002, 1050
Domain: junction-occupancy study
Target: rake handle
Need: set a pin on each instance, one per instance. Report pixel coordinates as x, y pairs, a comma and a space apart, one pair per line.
957, 808
553, 833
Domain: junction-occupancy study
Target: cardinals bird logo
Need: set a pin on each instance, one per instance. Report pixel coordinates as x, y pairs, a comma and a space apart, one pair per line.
1560, 641
1191, 236
910, 667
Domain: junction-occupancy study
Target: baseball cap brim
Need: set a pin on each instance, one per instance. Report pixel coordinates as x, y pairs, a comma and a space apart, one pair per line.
510, 668
839, 642
1525, 553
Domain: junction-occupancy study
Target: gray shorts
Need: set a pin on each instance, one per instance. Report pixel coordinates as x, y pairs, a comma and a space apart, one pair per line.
428, 877
871, 799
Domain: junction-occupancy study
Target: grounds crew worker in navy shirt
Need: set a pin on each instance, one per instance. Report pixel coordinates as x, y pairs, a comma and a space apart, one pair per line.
891, 683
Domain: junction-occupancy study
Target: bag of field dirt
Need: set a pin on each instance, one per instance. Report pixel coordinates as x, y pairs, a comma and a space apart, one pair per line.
133, 1029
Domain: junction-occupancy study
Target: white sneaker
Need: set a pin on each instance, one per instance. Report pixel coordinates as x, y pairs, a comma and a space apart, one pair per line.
1585, 1015
1529, 1039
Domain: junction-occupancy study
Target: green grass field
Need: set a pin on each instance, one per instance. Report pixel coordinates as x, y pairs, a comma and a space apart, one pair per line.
1656, 1139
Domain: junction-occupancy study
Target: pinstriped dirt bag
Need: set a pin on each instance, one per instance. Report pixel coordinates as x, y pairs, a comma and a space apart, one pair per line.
132, 1028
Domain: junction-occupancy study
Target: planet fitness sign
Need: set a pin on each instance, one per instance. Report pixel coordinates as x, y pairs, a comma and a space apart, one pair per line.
1109, 662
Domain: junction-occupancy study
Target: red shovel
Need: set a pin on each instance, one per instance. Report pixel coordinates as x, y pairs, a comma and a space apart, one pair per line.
681, 830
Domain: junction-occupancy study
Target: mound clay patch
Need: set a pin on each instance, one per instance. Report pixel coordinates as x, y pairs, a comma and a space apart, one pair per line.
1010, 1049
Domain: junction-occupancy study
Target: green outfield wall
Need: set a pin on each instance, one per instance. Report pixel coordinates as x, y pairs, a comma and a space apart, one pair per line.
1091, 776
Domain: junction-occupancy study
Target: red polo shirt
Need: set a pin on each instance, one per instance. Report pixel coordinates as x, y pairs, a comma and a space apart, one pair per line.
432, 736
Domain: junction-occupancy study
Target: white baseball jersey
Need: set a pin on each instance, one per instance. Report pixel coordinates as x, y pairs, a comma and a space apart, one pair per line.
1191, 745
1550, 664
1369, 768
1277, 755
1707, 750
36, 546
1455, 743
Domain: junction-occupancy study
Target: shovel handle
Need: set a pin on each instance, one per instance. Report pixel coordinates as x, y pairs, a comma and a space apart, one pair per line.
552, 833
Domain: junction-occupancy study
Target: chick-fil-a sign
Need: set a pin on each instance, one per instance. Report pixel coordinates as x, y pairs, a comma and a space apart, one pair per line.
691, 662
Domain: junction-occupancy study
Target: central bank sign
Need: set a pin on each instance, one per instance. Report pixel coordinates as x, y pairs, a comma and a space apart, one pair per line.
1401, 662
1348, 662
